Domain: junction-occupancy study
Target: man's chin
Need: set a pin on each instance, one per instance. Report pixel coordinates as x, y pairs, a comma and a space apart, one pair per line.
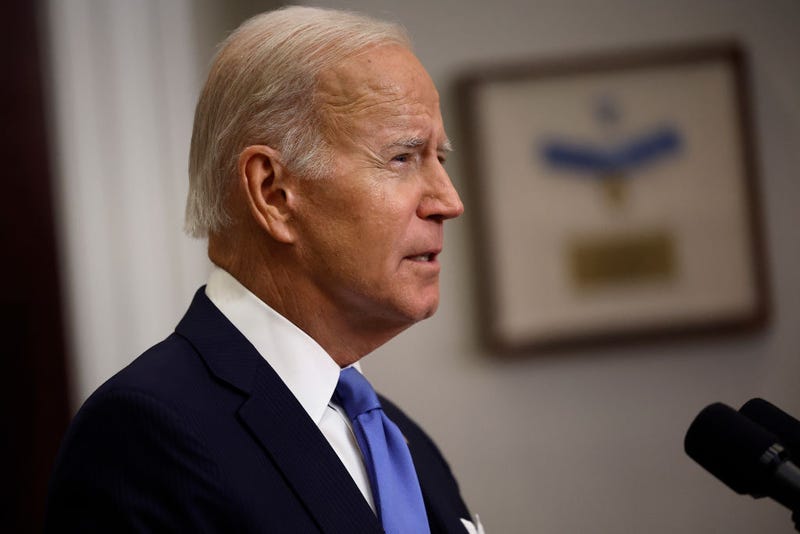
399, 314
425, 311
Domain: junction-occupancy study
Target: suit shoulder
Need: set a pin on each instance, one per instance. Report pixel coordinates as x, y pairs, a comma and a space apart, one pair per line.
168, 370
139, 450
170, 355
150, 384
130, 458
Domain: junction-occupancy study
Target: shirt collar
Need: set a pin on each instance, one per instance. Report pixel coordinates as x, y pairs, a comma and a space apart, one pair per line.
307, 370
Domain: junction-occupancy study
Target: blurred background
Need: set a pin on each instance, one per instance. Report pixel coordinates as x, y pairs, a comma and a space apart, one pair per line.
99, 99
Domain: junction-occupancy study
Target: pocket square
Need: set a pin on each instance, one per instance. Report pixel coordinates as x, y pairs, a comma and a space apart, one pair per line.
473, 527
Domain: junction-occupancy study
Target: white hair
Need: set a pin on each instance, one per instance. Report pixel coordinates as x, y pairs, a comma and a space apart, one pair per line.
261, 90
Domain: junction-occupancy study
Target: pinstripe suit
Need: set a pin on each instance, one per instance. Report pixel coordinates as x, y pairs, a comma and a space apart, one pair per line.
199, 434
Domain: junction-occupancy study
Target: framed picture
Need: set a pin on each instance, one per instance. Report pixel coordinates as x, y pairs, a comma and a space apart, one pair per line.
616, 197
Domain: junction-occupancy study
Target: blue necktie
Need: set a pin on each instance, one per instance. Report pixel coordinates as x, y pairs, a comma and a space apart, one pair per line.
395, 487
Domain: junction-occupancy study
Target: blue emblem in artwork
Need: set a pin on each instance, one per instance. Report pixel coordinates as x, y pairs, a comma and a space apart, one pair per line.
601, 160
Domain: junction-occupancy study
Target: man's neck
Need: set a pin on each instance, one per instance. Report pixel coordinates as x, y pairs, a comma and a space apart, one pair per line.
346, 339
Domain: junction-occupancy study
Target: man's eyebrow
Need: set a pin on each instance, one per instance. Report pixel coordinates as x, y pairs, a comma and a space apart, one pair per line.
407, 142
416, 142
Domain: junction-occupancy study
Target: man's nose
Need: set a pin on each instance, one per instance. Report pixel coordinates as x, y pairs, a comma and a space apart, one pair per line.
440, 200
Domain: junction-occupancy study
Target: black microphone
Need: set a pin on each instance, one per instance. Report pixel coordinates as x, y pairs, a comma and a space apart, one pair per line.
743, 455
775, 420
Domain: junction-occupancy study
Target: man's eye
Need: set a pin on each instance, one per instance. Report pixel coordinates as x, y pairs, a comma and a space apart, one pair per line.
402, 158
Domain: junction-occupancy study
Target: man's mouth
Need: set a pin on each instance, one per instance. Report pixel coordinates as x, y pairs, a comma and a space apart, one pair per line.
426, 257
423, 257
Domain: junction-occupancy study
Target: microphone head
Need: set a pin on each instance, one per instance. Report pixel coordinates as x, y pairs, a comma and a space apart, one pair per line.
775, 420
732, 448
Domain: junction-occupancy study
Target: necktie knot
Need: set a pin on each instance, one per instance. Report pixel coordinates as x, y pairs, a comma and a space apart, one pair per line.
355, 394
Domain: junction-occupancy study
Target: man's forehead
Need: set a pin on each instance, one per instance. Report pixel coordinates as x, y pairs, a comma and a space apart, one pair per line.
340, 93
382, 76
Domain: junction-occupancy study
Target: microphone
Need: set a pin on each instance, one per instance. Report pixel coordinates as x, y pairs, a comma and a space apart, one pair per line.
743, 455
775, 420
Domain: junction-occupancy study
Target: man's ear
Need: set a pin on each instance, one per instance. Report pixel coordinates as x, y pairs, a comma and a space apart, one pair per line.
264, 182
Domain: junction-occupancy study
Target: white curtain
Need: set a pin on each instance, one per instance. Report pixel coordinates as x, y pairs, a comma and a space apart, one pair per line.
123, 82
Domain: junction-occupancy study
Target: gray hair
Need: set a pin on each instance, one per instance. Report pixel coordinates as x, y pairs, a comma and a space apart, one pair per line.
261, 90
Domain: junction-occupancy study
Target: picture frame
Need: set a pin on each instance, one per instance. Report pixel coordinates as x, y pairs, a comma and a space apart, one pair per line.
616, 197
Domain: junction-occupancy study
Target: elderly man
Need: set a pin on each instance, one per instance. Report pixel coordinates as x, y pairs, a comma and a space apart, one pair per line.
317, 174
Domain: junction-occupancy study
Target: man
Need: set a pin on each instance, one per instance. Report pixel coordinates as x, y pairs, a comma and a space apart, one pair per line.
316, 172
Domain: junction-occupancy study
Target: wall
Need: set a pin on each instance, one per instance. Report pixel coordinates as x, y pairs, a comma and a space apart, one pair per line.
585, 441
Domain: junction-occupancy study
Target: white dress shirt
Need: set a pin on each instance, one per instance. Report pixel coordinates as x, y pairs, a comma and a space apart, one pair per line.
306, 369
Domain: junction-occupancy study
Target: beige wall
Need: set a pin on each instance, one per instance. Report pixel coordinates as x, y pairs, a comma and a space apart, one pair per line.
581, 442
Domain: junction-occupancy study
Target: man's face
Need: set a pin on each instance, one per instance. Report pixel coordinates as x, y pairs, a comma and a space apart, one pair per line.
370, 233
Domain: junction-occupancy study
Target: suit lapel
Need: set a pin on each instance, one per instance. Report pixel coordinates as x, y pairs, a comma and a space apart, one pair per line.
443, 503
442, 519
278, 422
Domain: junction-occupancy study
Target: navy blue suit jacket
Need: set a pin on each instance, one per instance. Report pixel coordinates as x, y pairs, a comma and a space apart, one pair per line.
199, 434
